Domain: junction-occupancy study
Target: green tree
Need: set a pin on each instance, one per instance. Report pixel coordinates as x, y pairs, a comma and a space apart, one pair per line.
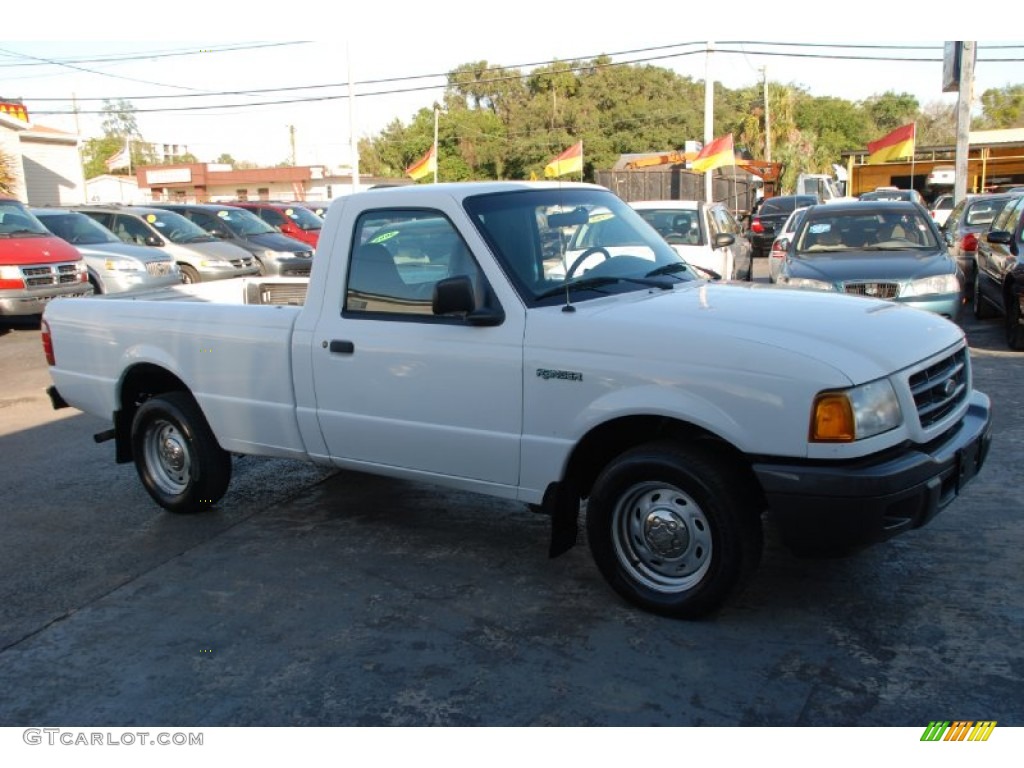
890, 110
119, 127
936, 125
1003, 107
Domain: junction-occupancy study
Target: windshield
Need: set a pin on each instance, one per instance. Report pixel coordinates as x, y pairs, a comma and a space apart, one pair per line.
829, 232
244, 223
304, 218
587, 241
77, 228
16, 220
176, 227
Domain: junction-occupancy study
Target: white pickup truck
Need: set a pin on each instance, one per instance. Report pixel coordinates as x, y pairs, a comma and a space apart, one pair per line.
434, 342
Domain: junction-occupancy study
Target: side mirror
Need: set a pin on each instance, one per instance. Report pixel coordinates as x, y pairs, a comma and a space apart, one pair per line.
454, 296
155, 241
1000, 237
724, 240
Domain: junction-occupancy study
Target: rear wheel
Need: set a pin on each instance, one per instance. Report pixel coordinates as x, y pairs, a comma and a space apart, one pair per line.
674, 530
176, 455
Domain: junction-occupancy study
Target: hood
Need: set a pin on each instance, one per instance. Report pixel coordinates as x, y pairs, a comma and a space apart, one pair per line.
143, 253
36, 249
275, 241
761, 328
889, 266
216, 248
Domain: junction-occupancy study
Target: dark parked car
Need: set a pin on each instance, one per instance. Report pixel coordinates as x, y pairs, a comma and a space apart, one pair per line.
769, 217
969, 220
999, 278
884, 250
276, 253
893, 194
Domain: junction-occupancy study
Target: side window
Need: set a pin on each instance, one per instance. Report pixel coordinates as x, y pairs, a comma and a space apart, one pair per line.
1003, 219
401, 255
131, 230
273, 217
209, 223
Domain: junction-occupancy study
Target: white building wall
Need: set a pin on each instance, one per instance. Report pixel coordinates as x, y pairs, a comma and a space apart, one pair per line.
114, 189
53, 171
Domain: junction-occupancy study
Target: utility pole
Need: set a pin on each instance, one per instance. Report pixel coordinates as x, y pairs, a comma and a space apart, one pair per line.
291, 136
963, 118
709, 115
767, 118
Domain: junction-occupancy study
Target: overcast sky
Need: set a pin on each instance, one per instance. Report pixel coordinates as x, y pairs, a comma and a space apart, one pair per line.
411, 41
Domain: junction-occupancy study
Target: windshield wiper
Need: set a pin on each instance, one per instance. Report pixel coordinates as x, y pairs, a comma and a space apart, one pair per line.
670, 269
596, 282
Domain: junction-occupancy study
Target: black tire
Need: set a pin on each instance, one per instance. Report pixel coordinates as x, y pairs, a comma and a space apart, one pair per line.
674, 529
189, 274
176, 455
982, 309
1014, 327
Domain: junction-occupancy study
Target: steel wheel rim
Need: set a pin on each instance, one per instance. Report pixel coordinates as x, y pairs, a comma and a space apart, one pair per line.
167, 457
662, 537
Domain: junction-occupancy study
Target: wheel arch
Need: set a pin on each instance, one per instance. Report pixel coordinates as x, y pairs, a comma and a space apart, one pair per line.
606, 441
139, 383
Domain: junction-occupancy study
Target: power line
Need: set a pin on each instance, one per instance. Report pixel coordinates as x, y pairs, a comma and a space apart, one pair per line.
144, 56
516, 75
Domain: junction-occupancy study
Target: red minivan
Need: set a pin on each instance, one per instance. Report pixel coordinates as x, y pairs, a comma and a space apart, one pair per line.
292, 219
35, 264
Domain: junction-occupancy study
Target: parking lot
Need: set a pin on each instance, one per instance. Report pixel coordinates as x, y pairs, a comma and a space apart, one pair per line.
310, 597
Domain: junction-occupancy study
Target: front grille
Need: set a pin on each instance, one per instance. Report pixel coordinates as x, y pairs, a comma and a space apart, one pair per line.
242, 263
46, 275
874, 290
158, 268
940, 388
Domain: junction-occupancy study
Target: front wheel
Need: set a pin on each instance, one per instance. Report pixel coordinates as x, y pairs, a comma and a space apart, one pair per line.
982, 309
674, 530
1014, 322
176, 455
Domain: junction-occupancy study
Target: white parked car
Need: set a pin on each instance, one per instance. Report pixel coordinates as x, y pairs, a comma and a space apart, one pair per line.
781, 243
706, 235
941, 208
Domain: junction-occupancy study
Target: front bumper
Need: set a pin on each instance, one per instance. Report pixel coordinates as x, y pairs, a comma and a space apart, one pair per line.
22, 304
825, 505
947, 304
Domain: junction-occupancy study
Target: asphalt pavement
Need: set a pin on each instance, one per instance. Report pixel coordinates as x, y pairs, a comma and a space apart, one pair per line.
311, 597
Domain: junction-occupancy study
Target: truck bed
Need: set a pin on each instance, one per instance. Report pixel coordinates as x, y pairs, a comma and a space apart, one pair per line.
229, 342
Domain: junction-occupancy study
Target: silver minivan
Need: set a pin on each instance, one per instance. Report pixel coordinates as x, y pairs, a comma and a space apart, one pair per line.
199, 255
114, 266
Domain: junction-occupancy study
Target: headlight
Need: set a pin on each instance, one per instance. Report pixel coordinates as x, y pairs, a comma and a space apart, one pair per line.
807, 284
927, 286
123, 265
854, 414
